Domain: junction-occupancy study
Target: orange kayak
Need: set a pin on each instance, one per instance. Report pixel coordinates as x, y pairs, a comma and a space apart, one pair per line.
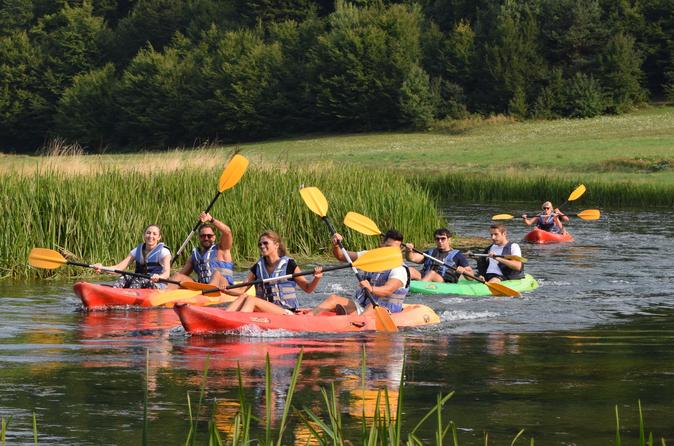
541, 236
103, 297
208, 320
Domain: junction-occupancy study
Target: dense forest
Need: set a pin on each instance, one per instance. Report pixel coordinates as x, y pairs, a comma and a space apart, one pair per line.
110, 74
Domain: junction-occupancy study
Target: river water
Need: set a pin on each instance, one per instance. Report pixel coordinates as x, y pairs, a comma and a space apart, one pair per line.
597, 334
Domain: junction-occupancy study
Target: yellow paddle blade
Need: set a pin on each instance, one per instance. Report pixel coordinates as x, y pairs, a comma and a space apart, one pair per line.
577, 192
232, 173
45, 258
502, 217
383, 321
589, 214
361, 223
164, 297
380, 259
315, 199
498, 289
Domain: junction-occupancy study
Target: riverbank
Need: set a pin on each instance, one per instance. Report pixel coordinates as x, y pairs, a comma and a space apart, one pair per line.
628, 159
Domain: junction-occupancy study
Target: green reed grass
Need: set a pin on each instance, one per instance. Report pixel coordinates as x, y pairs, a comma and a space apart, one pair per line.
515, 187
102, 216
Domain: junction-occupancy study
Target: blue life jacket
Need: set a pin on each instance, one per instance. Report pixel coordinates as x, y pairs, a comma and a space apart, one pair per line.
547, 223
281, 293
149, 264
392, 302
508, 273
207, 263
444, 270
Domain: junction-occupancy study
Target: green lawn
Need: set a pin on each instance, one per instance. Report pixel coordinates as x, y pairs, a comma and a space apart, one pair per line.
636, 147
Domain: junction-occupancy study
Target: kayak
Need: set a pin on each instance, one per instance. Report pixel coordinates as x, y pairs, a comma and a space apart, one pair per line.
104, 297
209, 320
541, 236
470, 287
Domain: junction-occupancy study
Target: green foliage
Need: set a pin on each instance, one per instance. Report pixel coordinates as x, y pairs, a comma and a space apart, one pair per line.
585, 97
620, 67
153, 98
74, 211
362, 62
15, 15
87, 110
513, 59
23, 115
416, 99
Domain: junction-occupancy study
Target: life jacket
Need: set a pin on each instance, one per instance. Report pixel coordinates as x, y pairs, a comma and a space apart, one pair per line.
149, 264
207, 263
508, 273
392, 302
281, 293
547, 223
444, 270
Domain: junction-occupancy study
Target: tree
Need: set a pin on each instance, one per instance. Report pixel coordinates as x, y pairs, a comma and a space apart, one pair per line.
15, 15
620, 68
23, 115
361, 64
87, 111
514, 64
585, 98
416, 99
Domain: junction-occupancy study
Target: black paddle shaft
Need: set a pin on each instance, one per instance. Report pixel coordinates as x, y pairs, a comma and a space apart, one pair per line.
196, 226
124, 273
348, 259
470, 276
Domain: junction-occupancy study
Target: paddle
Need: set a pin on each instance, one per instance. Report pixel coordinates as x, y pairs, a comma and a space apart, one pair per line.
379, 259
317, 203
576, 194
510, 257
49, 259
229, 178
587, 214
366, 226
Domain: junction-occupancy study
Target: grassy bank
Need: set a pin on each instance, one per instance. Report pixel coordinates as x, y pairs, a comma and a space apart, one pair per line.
624, 160
100, 216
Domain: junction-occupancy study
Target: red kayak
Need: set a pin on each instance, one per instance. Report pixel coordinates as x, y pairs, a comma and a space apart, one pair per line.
541, 236
104, 297
206, 320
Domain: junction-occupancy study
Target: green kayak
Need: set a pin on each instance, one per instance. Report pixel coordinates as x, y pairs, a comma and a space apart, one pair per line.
470, 287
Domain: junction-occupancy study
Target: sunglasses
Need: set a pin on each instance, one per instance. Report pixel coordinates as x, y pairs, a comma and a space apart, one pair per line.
440, 238
546, 207
207, 235
263, 243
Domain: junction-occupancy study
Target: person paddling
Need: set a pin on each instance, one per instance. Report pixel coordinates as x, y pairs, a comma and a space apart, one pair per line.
279, 297
495, 268
548, 220
388, 288
432, 271
150, 257
211, 261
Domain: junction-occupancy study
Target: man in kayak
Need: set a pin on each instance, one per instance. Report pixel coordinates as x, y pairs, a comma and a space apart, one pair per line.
212, 262
496, 268
388, 288
451, 258
548, 220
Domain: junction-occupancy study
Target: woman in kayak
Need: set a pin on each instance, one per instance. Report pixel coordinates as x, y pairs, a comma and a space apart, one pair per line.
548, 220
277, 297
151, 257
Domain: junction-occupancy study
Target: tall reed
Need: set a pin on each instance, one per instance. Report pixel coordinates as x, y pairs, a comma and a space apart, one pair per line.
100, 217
516, 187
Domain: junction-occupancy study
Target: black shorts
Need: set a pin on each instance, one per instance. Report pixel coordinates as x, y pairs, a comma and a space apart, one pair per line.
489, 276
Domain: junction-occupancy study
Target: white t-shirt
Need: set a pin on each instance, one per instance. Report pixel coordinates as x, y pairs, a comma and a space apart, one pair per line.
399, 272
493, 268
